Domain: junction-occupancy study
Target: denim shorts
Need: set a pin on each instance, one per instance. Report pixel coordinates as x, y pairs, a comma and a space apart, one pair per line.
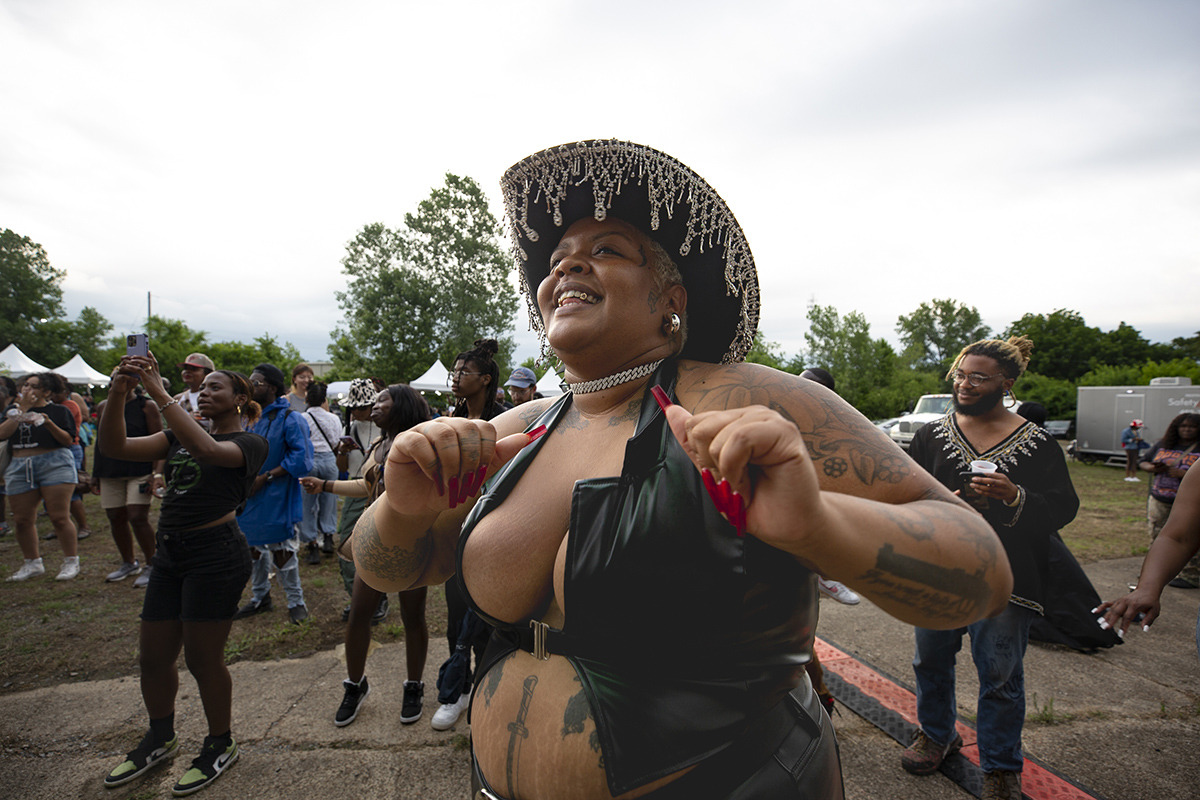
197, 576
27, 473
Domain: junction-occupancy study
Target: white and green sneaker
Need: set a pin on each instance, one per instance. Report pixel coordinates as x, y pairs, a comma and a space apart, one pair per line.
215, 757
143, 757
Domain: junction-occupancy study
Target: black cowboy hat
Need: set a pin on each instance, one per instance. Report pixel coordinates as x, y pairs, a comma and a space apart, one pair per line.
547, 192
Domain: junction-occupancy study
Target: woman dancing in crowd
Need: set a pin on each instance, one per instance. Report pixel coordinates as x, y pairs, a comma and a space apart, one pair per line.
40, 433
201, 561
396, 409
650, 572
1168, 460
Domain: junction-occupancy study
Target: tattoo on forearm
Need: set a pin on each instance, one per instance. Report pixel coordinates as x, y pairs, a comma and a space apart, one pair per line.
518, 733
938, 592
392, 562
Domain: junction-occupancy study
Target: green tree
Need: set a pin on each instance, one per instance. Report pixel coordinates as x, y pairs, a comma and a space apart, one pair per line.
1056, 394
1110, 375
935, 332
1188, 347
843, 345
32, 298
427, 290
766, 353
242, 357
1064, 346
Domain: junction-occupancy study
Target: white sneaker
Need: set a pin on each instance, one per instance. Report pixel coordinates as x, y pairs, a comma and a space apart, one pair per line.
1133, 480
30, 569
448, 713
838, 591
70, 569
143, 580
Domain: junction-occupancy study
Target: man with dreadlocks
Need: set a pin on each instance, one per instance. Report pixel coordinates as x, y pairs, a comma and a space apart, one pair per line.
1027, 498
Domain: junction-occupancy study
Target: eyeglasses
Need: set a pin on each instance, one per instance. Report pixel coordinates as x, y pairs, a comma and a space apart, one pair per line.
973, 378
458, 373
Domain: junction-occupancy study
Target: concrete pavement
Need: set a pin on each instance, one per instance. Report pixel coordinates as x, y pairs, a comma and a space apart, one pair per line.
1125, 723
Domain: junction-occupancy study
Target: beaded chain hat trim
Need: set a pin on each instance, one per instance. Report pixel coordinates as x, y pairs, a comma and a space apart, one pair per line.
659, 193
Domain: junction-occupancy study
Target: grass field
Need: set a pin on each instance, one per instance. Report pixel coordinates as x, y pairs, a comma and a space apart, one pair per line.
86, 629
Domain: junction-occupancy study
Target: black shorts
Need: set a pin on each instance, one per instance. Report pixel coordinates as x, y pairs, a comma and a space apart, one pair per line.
197, 576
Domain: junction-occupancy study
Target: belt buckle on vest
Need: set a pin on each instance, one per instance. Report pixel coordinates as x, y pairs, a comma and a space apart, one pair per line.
539, 640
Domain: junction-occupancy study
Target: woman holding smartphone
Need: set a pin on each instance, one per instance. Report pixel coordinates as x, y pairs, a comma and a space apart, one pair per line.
201, 561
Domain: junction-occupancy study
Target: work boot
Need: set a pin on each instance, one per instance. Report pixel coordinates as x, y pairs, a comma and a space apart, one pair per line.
924, 755
1001, 784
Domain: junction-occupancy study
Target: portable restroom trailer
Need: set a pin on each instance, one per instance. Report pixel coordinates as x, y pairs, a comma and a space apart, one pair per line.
1102, 412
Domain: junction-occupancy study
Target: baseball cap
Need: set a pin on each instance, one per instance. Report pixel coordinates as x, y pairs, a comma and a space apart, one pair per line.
1137, 423
523, 377
197, 360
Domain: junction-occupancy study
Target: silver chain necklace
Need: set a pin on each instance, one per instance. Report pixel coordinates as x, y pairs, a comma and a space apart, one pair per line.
631, 374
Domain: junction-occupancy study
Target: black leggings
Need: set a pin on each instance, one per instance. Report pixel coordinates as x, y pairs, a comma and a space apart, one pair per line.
792, 752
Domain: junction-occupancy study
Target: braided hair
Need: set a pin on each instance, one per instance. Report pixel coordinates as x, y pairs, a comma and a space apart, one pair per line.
481, 357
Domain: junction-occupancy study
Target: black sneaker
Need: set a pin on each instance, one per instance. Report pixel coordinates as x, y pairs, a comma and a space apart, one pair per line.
327, 544
142, 758
414, 702
216, 756
346, 614
298, 614
352, 701
381, 610
314, 555
251, 608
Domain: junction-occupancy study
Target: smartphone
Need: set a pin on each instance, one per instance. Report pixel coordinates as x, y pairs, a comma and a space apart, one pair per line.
137, 344
350, 441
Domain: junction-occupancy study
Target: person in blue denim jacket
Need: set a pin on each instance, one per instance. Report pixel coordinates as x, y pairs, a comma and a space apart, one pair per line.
1133, 444
274, 507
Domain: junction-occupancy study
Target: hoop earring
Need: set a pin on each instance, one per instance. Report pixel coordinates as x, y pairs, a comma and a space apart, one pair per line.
672, 324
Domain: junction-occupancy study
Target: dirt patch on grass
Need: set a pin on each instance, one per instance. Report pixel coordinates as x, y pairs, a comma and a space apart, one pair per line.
54, 632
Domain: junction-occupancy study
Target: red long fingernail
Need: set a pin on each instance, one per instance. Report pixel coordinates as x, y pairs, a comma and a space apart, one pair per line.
452, 485
739, 513
726, 494
480, 475
660, 396
536, 433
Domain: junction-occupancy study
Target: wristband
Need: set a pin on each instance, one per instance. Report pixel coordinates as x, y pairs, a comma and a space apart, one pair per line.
174, 402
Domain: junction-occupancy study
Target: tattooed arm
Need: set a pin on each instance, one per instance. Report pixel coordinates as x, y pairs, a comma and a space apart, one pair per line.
823, 484
408, 537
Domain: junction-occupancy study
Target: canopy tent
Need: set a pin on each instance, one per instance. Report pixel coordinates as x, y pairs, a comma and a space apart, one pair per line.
79, 371
14, 363
550, 384
336, 392
433, 379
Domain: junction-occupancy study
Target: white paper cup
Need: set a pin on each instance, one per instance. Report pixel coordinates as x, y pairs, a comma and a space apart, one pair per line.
983, 467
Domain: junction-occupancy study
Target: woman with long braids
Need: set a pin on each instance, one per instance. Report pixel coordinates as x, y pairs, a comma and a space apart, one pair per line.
396, 409
201, 562
473, 380
1168, 460
650, 562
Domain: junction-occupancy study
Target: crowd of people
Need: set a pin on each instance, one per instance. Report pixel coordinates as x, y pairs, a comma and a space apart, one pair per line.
672, 482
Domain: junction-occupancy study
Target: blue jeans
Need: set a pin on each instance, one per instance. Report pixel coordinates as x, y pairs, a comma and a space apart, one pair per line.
320, 510
998, 649
288, 574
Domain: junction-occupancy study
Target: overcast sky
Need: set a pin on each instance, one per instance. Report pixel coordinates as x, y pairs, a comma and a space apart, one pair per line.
1015, 155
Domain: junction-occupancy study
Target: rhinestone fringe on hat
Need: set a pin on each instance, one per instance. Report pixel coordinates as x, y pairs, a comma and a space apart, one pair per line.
611, 166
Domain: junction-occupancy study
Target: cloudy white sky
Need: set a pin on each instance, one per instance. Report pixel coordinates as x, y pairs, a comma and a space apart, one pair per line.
1015, 155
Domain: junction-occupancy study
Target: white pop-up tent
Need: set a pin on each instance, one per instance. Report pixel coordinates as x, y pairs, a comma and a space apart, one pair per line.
550, 384
433, 379
79, 371
14, 363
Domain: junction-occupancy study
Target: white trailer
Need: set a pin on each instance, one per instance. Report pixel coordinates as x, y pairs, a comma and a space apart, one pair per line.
1102, 412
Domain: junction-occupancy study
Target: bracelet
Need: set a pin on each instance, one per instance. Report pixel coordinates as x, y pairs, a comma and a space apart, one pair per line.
174, 402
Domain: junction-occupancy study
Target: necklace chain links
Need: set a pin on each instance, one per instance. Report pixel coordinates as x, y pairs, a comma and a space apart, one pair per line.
631, 374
